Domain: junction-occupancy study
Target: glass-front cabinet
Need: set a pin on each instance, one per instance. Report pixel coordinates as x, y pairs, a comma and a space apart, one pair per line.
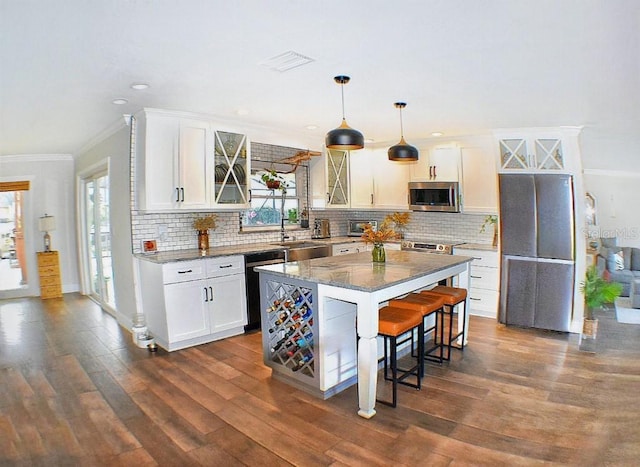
337, 178
533, 153
231, 169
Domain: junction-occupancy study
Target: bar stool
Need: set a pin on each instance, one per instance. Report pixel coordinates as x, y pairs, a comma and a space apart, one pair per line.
393, 323
427, 305
452, 296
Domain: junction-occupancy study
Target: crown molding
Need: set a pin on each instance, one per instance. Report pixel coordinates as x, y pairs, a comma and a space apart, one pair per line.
36, 158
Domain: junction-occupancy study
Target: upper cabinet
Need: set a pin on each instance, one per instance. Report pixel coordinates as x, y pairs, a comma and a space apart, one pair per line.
182, 164
437, 163
377, 182
537, 149
231, 169
478, 176
337, 172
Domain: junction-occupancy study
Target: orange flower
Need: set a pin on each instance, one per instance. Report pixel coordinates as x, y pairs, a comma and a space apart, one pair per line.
383, 234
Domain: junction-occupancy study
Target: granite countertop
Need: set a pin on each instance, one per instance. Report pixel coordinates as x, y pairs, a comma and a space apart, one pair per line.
476, 246
190, 254
358, 272
241, 249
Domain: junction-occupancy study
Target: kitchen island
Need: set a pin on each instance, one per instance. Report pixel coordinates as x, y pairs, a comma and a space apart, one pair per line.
306, 305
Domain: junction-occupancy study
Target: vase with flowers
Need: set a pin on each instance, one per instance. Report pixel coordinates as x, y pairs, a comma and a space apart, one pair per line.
400, 221
202, 225
378, 237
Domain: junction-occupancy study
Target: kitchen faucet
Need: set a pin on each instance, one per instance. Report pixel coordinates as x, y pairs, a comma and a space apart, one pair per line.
283, 234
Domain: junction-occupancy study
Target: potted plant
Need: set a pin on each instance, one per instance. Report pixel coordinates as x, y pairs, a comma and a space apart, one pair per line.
597, 292
202, 225
491, 220
273, 180
384, 233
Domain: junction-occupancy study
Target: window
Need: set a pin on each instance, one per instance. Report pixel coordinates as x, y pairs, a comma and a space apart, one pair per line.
268, 206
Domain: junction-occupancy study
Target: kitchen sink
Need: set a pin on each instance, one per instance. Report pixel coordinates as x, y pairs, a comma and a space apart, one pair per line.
303, 249
299, 244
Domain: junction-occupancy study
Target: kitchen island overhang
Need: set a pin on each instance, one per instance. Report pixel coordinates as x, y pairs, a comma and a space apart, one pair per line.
304, 296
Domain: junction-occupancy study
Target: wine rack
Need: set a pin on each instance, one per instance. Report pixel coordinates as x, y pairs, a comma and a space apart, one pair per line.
289, 327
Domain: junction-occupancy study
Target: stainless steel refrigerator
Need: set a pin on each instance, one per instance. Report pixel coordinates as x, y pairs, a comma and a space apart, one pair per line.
537, 236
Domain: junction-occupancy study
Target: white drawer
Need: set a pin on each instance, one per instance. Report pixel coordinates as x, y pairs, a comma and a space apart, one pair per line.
483, 302
182, 271
484, 278
225, 266
486, 258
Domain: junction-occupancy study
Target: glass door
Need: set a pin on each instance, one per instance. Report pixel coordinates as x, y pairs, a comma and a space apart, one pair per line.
98, 239
13, 258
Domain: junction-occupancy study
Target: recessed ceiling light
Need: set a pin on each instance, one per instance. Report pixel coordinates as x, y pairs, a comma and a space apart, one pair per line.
311, 127
437, 133
120, 101
139, 86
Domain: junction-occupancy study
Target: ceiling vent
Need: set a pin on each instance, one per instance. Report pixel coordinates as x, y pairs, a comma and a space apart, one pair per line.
287, 61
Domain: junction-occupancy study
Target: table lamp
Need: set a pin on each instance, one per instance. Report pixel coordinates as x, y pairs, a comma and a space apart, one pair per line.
46, 224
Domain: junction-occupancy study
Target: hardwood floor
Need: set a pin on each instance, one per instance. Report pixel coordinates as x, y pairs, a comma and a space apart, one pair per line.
75, 390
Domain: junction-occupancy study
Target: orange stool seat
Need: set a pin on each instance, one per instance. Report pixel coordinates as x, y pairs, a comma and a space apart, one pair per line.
452, 296
427, 305
394, 322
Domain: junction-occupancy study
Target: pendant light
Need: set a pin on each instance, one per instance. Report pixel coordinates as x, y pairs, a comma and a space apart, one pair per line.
402, 151
344, 137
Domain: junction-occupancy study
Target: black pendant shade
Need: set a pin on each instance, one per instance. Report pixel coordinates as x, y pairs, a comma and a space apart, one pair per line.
402, 151
344, 137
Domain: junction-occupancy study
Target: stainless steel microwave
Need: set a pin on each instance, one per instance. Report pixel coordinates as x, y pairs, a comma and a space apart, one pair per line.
434, 196
356, 227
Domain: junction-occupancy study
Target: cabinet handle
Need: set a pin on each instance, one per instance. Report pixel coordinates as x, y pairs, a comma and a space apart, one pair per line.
477, 257
250, 196
476, 299
476, 277
182, 191
344, 251
206, 295
211, 292
177, 195
371, 198
185, 272
435, 175
328, 198
224, 266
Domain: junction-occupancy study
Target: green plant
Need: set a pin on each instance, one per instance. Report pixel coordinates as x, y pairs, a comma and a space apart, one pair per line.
488, 220
273, 180
597, 291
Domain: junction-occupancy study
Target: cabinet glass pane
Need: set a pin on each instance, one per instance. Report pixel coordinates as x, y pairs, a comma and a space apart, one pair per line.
230, 168
513, 154
549, 154
337, 176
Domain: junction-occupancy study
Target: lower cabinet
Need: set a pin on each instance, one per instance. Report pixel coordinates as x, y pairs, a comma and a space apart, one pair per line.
348, 248
200, 300
484, 292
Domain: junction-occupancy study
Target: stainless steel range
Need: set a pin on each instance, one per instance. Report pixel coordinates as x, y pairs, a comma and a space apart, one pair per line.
438, 247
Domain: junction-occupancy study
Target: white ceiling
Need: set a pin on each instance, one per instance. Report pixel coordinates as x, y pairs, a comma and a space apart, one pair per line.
462, 66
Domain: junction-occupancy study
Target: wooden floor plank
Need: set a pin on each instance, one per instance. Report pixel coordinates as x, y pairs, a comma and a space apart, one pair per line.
77, 391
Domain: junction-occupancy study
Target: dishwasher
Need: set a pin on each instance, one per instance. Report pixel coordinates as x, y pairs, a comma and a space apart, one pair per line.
253, 283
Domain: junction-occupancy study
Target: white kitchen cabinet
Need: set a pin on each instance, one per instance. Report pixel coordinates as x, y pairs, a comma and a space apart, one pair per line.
337, 176
231, 172
171, 162
484, 290
438, 162
479, 178
348, 248
188, 303
538, 149
377, 182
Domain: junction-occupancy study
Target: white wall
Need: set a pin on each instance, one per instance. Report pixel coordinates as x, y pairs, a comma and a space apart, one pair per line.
617, 195
51, 192
114, 150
